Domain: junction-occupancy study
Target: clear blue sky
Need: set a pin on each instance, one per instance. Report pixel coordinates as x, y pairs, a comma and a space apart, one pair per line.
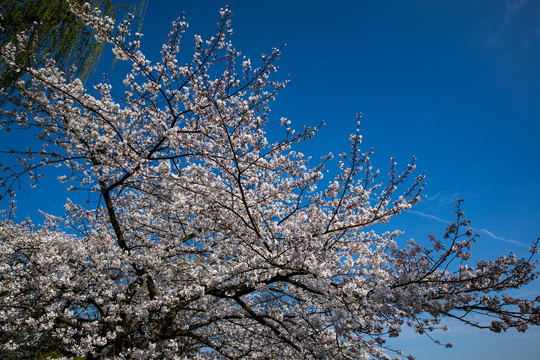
454, 83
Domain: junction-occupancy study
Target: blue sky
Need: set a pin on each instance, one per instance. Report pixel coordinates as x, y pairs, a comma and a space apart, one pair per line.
454, 83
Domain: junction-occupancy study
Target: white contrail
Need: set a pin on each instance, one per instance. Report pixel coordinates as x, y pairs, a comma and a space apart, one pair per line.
515, 242
433, 217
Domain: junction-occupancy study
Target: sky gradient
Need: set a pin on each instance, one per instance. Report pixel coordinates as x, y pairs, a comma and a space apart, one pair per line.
454, 83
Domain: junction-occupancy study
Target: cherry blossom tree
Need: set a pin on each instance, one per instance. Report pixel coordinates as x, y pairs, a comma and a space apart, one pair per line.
203, 239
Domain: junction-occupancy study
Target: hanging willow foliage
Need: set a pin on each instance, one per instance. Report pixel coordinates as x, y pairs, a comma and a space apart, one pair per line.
56, 31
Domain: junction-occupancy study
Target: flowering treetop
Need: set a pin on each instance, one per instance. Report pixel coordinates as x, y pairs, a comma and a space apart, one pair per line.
204, 240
